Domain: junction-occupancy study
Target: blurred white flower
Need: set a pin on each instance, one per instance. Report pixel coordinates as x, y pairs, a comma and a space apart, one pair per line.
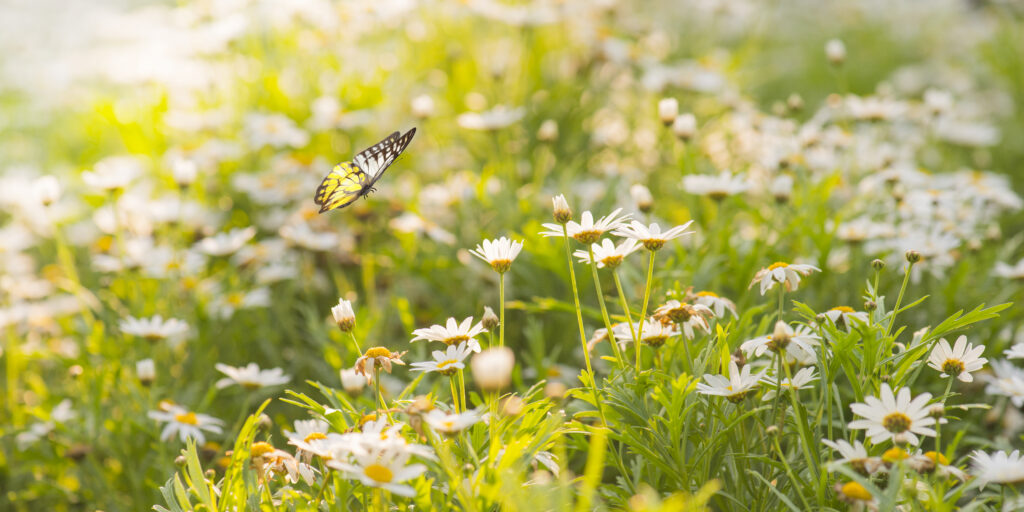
492, 368
448, 423
223, 244
250, 376
1008, 271
668, 110
185, 424
835, 50
717, 186
154, 328
498, 117
422, 106
998, 467
113, 173
301, 235
276, 130
651, 236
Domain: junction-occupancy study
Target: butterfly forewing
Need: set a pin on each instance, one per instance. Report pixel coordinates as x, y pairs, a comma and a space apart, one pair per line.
374, 160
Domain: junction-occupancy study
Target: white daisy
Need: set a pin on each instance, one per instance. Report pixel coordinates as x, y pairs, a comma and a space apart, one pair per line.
587, 231
447, 362
1008, 271
301, 235
800, 343
185, 423
499, 254
686, 316
113, 173
999, 467
386, 469
718, 305
344, 315
889, 415
1015, 352
607, 254
959, 361
652, 236
846, 317
223, 244
452, 333
224, 305
1008, 380
652, 332
154, 328
801, 380
717, 186
250, 376
781, 272
735, 388
448, 423
307, 431
855, 455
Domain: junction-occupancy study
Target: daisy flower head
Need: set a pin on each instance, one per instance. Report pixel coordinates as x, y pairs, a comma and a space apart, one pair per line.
452, 333
651, 236
446, 363
386, 469
344, 315
307, 432
958, 361
999, 467
718, 305
801, 380
780, 272
184, 423
250, 376
450, 424
1007, 380
735, 388
1015, 352
154, 328
685, 316
269, 460
855, 455
716, 187
800, 342
846, 317
1005, 270
113, 173
377, 356
588, 231
653, 332
890, 415
223, 244
607, 254
499, 254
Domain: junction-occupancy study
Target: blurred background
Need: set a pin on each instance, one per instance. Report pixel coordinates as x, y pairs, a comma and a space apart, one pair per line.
131, 132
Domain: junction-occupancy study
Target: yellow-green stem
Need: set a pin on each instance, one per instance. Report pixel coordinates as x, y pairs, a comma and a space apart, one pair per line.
643, 311
501, 310
604, 309
899, 300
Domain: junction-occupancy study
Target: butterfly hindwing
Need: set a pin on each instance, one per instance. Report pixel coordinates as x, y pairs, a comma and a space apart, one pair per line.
341, 187
351, 180
378, 157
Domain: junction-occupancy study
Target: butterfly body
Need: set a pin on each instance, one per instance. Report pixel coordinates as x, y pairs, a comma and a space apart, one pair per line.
349, 181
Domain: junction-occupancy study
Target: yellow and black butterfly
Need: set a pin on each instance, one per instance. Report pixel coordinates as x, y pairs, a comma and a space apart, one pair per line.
349, 181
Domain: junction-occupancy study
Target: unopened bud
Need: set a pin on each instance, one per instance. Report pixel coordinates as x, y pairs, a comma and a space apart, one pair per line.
913, 256
490, 320
642, 196
180, 461
344, 315
555, 390
685, 126
877, 264
562, 212
512, 406
937, 411
548, 131
668, 110
835, 50
772, 431
870, 305
145, 370
795, 102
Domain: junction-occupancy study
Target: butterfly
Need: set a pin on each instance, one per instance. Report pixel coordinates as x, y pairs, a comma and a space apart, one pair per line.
349, 181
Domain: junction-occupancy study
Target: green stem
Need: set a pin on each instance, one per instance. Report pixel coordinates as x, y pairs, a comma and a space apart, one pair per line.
643, 311
462, 390
625, 306
604, 308
501, 310
801, 422
899, 300
938, 424
579, 318
355, 343
455, 395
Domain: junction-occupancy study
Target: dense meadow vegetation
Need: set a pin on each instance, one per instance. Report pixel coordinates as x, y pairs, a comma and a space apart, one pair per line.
649, 256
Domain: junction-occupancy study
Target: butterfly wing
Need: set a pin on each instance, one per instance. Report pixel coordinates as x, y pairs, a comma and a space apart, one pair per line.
378, 157
343, 185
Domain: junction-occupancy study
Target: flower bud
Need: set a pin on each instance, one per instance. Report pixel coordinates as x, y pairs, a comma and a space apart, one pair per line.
344, 315
145, 370
555, 390
668, 110
913, 256
870, 305
492, 368
772, 431
548, 131
937, 411
685, 126
795, 102
489, 320
562, 212
642, 196
835, 50
877, 264
512, 406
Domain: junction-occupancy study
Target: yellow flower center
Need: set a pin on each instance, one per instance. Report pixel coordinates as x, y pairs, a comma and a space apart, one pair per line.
896, 422
953, 367
855, 491
588, 236
377, 352
260, 449
937, 458
446, 368
368, 418
449, 424
235, 299
843, 309
653, 244
777, 264
501, 266
189, 418
314, 436
612, 261
455, 340
707, 294
655, 341
379, 473
894, 454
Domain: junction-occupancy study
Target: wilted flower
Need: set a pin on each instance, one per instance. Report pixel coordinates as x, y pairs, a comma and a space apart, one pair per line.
379, 356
